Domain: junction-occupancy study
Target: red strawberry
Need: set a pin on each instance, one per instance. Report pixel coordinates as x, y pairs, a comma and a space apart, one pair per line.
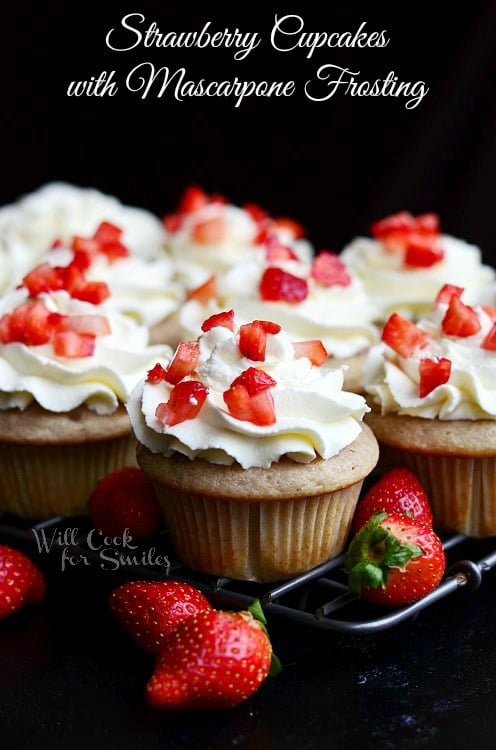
275, 251
290, 226
394, 560
192, 199
460, 319
125, 499
422, 252
249, 398
403, 336
256, 212
446, 292
277, 285
96, 325
224, 318
73, 345
43, 278
91, 291
213, 660
205, 292
397, 491
394, 230
150, 611
21, 582
185, 401
157, 374
488, 343
209, 231
433, 371
329, 270
253, 338
313, 349
183, 362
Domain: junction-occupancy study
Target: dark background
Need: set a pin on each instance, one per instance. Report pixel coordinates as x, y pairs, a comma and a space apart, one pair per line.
335, 165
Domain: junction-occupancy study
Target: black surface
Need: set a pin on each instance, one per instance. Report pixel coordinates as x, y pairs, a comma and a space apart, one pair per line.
71, 678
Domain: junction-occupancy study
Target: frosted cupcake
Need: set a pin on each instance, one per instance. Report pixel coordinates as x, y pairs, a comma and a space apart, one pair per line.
433, 390
320, 300
55, 213
207, 235
407, 260
68, 361
257, 455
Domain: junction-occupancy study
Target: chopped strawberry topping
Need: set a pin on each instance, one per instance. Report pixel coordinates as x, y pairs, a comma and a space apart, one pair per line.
106, 240
427, 224
73, 345
91, 291
433, 372
192, 199
489, 341
256, 212
460, 319
183, 362
403, 336
224, 319
329, 270
417, 237
107, 232
292, 227
314, 350
490, 311
277, 285
209, 231
43, 278
422, 252
446, 292
253, 338
249, 398
205, 292
156, 374
185, 402
28, 324
395, 226
275, 251
95, 325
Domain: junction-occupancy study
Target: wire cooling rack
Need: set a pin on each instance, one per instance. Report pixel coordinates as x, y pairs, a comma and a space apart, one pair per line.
319, 598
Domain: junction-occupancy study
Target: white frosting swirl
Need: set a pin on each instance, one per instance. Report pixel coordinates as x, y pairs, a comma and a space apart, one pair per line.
60, 210
470, 393
340, 316
59, 384
393, 286
197, 261
314, 416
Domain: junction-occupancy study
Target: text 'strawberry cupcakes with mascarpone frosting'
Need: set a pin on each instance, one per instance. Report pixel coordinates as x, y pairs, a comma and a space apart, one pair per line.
432, 386
68, 361
55, 213
257, 455
310, 300
407, 260
207, 235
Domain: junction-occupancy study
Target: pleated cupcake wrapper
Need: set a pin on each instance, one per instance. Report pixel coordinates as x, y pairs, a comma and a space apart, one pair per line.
462, 491
258, 541
40, 481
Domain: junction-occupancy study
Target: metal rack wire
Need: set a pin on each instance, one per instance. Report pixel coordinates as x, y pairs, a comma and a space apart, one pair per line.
318, 598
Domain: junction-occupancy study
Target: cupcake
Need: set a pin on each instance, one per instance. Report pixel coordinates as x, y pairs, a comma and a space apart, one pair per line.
321, 299
208, 235
68, 361
257, 455
407, 260
432, 388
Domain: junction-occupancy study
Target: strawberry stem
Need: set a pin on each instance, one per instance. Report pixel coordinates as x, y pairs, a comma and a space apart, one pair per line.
256, 610
373, 552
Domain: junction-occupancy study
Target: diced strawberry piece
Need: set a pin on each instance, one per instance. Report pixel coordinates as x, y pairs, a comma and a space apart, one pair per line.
314, 350
205, 292
183, 362
192, 199
6, 336
265, 232
290, 226
107, 232
395, 227
156, 374
329, 270
446, 292
277, 285
489, 341
185, 402
86, 245
114, 250
275, 251
427, 224
254, 380
33, 320
95, 325
490, 311
92, 291
433, 372
209, 231
253, 338
460, 319
218, 198
256, 212
172, 222
257, 408
73, 345
224, 318
43, 278
81, 261
422, 252
403, 336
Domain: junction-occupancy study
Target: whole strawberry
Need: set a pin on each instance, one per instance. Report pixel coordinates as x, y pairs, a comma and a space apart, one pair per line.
150, 611
21, 582
397, 491
394, 560
213, 660
125, 499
